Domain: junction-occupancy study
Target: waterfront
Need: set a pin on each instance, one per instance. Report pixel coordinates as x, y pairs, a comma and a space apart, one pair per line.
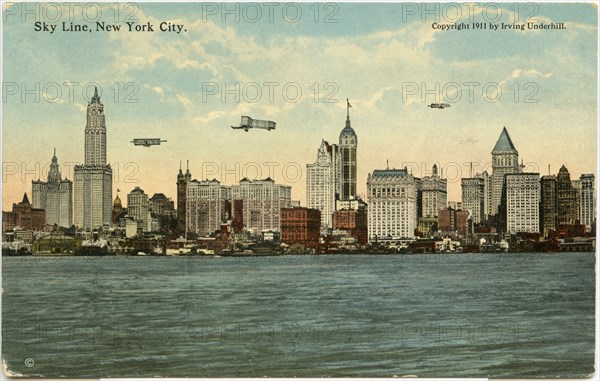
459, 315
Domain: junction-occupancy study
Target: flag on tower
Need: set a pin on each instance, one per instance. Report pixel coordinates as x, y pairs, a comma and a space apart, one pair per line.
347, 101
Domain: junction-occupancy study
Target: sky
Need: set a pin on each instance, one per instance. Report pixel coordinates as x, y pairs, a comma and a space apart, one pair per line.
296, 64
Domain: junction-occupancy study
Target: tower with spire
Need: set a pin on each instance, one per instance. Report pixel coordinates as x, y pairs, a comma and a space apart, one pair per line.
505, 160
182, 184
93, 179
347, 147
55, 196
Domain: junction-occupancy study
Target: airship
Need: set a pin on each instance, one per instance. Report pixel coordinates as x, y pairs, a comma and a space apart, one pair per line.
248, 123
147, 142
441, 106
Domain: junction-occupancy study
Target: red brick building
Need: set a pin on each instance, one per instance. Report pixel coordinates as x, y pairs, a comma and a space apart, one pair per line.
25, 216
452, 221
353, 220
300, 225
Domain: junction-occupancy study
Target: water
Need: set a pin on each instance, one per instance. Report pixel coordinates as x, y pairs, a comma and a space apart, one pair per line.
506, 315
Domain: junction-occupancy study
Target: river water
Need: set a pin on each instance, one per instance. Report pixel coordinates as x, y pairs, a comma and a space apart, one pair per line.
455, 315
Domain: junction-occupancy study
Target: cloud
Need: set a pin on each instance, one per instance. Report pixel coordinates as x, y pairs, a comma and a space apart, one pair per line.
208, 117
183, 100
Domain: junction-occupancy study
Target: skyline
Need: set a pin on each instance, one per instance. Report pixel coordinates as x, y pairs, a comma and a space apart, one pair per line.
170, 71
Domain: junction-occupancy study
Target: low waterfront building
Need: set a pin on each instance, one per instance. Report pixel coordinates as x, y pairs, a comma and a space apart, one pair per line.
454, 222
354, 221
23, 216
301, 226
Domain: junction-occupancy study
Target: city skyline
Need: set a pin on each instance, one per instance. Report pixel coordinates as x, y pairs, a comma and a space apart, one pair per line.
559, 129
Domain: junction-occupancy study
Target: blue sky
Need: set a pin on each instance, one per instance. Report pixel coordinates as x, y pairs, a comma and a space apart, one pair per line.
373, 54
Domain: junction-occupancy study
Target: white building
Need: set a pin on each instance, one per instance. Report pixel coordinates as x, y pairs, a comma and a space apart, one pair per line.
523, 203
322, 182
392, 198
93, 179
261, 202
434, 191
138, 207
473, 197
54, 196
206, 207
587, 200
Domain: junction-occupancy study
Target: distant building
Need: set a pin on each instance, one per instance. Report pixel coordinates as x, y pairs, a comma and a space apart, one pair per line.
587, 201
23, 216
548, 215
487, 194
206, 207
322, 182
261, 203
434, 194
392, 196
522, 203
453, 222
54, 196
566, 199
505, 160
473, 197
162, 205
301, 226
137, 207
182, 181
456, 205
93, 180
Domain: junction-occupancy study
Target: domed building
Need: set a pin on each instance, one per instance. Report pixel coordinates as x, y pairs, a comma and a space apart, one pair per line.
117, 210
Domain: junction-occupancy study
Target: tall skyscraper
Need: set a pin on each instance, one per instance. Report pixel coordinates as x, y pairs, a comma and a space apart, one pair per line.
567, 207
93, 179
392, 197
322, 182
206, 207
473, 197
522, 203
433, 194
348, 145
182, 181
548, 215
505, 160
587, 200
54, 196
